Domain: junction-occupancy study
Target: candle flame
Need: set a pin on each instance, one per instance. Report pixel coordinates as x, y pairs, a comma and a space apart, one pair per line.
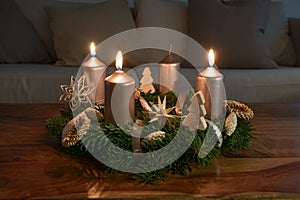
93, 48
119, 60
211, 58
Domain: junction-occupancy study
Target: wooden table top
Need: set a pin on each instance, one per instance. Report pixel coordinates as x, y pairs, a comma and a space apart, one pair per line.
32, 165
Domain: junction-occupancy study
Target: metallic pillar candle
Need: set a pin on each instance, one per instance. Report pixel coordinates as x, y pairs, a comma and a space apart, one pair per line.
119, 95
95, 71
119, 98
210, 82
168, 74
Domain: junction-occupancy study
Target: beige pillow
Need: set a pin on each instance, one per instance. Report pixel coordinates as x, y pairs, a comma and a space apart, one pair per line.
278, 38
19, 43
161, 13
234, 29
75, 27
157, 13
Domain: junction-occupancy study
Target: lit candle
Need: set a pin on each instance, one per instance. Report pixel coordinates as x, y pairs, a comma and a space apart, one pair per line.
95, 71
119, 95
210, 82
168, 74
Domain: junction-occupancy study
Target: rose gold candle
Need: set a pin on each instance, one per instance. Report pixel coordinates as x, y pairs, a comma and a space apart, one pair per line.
210, 82
168, 74
119, 95
95, 71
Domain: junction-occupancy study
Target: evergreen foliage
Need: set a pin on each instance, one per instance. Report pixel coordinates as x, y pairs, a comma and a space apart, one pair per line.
99, 138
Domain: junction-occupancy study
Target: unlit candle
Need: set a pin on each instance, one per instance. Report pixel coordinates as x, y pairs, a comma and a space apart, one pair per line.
168, 74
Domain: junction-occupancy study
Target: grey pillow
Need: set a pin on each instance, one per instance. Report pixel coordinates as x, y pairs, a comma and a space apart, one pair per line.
161, 13
278, 38
234, 29
156, 13
35, 11
19, 43
294, 25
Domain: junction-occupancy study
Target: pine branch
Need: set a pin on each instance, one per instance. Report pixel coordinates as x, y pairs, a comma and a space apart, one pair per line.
100, 137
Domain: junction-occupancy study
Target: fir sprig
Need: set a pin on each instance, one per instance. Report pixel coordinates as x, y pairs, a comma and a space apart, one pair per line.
241, 137
99, 138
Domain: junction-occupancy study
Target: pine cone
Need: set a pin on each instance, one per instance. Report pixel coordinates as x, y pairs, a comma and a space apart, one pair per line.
241, 110
70, 139
230, 123
154, 136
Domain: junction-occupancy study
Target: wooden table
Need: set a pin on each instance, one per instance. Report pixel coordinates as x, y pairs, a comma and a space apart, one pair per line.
32, 165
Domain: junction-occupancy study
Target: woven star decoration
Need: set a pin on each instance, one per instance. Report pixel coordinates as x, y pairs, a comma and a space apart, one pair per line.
156, 111
160, 110
67, 90
76, 93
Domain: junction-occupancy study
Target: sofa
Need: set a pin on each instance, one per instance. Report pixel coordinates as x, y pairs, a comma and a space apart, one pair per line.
45, 41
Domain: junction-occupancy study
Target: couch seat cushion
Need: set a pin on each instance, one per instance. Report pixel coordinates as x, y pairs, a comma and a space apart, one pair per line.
33, 83
281, 85
40, 83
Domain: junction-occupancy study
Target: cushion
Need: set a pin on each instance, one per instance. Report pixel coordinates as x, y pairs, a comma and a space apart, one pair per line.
156, 13
161, 13
35, 11
234, 29
294, 25
33, 83
75, 27
258, 86
278, 38
19, 43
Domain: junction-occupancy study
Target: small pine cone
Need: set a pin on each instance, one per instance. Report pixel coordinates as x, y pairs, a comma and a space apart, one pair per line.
70, 139
154, 136
230, 123
241, 110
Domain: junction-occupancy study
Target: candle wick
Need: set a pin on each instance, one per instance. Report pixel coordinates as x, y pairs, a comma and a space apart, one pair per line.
93, 54
171, 48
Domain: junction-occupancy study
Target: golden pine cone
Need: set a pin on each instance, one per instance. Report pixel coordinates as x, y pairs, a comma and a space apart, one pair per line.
240, 109
70, 139
230, 123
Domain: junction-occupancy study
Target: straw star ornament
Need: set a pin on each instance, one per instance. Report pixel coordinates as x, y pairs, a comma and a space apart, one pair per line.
67, 90
76, 93
160, 110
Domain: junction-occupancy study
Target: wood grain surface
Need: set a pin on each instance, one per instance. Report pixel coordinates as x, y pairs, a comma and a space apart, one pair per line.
33, 167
